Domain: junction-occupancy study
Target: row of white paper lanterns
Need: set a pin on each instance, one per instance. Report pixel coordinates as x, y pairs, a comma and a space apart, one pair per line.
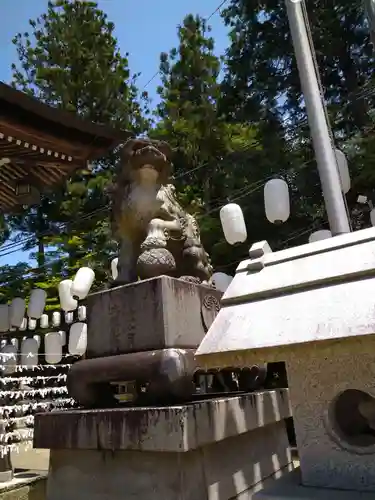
9, 317
277, 206
53, 344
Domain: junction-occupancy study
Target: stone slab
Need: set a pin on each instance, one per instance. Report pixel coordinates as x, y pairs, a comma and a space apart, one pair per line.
229, 469
151, 314
297, 296
177, 428
289, 487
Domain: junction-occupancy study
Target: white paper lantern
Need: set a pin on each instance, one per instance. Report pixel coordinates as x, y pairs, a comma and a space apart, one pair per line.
38, 340
372, 217
276, 201
53, 348
343, 171
69, 318
17, 311
32, 324
56, 319
44, 321
82, 283
233, 223
23, 326
323, 234
29, 352
15, 342
37, 303
221, 281
82, 313
63, 337
114, 268
9, 359
4, 318
78, 339
66, 299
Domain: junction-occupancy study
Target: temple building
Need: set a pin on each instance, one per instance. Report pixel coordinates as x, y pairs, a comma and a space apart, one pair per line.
40, 146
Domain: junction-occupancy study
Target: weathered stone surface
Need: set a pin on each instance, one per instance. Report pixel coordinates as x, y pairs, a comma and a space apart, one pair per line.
25, 486
312, 307
148, 315
312, 293
289, 487
334, 452
170, 428
228, 469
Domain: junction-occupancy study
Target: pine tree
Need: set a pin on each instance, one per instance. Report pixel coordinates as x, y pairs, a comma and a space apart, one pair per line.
71, 60
205, 144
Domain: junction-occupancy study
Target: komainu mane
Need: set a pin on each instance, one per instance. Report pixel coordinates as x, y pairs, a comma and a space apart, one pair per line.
155, 234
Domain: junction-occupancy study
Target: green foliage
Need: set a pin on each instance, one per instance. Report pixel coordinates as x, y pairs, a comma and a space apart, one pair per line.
71, 60
234, 121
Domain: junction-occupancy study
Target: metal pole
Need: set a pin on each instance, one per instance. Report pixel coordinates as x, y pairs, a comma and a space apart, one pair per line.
323, 147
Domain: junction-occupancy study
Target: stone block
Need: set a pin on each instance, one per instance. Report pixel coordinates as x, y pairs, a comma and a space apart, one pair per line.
220, 471
210, 450
329, 383
178, 428
151, 314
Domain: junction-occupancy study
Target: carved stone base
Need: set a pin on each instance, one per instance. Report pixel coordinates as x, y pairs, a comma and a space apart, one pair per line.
209, 450
158, 376
154, 314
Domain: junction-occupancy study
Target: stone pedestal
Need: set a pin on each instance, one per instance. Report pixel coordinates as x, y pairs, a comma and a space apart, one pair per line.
144, 334
149, 315
209, 450
312, 307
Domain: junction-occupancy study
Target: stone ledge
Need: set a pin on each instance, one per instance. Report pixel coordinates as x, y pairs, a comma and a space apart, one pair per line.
177, 428
25, 485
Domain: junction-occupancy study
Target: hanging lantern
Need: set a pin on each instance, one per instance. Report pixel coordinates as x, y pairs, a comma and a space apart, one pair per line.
69, 318
15, 342
23, 326
9, 358
66, 300
78, 339
37, 303
4, 317
38, 340
82, 283
53, 348
44, 321
29, 352
32, 324
114, 268
276, 201
323, 234
17, 312
372, 217
233, 223
56, 318
342, 163
221, 281
63, 337
82, 313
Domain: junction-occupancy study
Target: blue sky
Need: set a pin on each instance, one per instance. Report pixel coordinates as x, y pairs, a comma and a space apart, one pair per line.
144, 28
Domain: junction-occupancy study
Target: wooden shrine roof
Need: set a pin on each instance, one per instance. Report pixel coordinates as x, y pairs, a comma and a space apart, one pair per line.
41, 145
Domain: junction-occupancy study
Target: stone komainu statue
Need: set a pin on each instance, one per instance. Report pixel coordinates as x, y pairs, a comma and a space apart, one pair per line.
155, 234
